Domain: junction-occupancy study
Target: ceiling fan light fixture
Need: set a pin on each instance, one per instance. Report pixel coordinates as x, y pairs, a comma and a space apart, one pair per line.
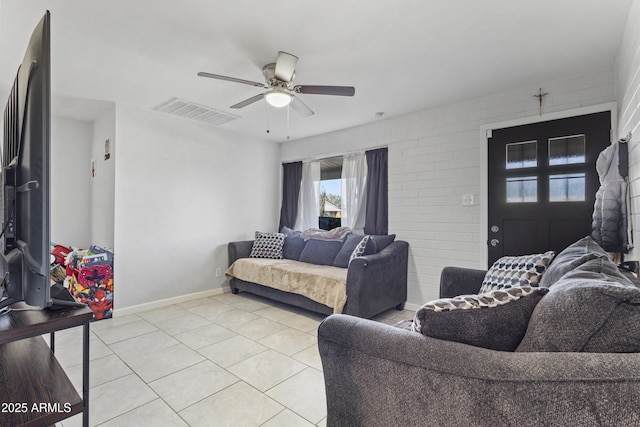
277, 98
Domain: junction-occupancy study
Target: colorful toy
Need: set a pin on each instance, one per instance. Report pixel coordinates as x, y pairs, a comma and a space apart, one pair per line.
89, 278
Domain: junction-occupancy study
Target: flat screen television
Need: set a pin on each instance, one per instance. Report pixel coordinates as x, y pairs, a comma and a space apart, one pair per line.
25, 179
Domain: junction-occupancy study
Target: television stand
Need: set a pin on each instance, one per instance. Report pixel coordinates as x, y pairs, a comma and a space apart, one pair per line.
36, 391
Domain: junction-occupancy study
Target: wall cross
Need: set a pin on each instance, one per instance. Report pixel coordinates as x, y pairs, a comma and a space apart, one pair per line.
540, 95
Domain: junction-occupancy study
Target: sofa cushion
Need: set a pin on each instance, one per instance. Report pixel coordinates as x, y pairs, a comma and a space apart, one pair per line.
344, 256
593, 308
350, 244
571, 257
495, 320
512, 271
382, 241
293, 244
320, 252
267, 245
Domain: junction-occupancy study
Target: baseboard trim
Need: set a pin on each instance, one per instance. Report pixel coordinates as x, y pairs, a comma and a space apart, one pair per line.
169, 301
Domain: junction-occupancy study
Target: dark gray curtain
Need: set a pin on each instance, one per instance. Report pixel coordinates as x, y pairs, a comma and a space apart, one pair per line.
377, 209
291, 178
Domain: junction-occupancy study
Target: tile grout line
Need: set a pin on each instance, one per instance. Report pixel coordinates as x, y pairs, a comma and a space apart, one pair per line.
256, 304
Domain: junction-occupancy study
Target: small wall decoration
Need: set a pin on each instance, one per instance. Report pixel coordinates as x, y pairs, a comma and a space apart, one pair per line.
107, 149
540, 95
93, 168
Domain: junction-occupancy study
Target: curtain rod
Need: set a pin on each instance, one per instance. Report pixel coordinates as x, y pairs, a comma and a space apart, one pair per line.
330, 155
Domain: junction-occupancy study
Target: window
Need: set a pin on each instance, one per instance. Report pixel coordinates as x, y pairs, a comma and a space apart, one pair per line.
567, 150
566, 181
346, 183
522, 189
522, 155
330, 193
567, 187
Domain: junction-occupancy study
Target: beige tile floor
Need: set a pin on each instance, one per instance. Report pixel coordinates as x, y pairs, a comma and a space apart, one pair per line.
227, 360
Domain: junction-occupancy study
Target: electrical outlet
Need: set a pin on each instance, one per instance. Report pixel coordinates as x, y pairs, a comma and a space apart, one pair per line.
218, 272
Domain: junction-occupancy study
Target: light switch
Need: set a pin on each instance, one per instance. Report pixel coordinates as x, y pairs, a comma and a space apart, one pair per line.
468, 200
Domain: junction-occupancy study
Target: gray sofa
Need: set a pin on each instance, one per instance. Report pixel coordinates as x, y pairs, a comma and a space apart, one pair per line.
376, 281
560, 375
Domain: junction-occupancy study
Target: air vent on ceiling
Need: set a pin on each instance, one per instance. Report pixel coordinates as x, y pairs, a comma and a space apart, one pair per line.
190, 110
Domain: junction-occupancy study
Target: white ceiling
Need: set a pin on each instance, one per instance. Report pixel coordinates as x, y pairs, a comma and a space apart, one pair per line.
401, 56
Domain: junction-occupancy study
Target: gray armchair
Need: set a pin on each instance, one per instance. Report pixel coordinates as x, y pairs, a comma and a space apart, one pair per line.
380, 375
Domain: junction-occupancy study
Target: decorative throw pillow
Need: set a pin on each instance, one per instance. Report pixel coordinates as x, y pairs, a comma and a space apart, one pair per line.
267, 245
382, 241
293, 244
593, 308
512, 271
570, 258
344, 255
320, 252
496, 320
360, 249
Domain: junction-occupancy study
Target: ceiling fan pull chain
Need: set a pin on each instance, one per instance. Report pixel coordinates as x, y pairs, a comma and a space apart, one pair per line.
266, 106
288, 110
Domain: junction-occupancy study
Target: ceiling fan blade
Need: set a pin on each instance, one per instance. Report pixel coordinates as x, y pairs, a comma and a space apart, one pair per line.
300, 107
231, 79
326, 90
285, 66
248, 101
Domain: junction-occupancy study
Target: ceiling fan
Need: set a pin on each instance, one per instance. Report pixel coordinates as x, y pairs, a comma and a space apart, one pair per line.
281, 90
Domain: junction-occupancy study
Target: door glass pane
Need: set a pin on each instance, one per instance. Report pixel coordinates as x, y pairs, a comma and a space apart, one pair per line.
522, 155
522, 189
567, 187
566, 150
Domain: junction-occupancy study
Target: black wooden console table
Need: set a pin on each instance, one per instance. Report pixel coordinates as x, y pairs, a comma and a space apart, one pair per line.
34, 389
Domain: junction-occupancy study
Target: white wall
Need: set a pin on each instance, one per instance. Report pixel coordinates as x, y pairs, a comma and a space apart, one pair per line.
103, 184
70, 182
435, 158
82, 207
183, 190
628, 95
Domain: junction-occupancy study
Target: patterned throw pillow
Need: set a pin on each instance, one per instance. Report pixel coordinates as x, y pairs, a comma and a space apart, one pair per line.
512, 271
360, 249
496, 320
268, 245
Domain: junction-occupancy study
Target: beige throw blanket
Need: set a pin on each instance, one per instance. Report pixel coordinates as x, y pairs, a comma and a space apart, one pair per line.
321, 283
334, 235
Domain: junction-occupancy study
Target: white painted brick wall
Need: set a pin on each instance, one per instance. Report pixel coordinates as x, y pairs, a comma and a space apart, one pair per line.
434, 159
628, 96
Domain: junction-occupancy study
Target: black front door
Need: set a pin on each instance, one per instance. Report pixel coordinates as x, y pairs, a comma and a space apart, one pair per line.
542, 183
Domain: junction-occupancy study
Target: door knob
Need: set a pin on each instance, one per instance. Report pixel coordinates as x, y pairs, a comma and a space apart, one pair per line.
494, 242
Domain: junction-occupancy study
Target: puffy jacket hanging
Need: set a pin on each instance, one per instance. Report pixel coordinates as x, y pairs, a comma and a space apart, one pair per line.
611, 226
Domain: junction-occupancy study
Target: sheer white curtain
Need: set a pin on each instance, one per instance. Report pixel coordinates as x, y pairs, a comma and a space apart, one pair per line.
354, 183
309, 199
